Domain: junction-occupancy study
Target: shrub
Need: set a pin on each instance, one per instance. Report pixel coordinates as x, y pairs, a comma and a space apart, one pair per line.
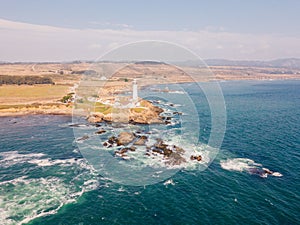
67, 98
29, 80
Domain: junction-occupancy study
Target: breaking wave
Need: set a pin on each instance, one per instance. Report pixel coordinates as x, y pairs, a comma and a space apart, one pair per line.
25, 198
247, 165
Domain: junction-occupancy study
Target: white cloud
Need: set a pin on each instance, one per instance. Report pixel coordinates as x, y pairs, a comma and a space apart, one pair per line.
111, 25
30, 42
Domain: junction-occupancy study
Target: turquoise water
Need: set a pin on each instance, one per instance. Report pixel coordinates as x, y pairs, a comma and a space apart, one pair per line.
43, 173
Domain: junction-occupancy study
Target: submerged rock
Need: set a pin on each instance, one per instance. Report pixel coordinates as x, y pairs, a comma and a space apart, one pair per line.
177, 113
196, 157
175, 158
85, 137
122, 152
141, 140
101, 131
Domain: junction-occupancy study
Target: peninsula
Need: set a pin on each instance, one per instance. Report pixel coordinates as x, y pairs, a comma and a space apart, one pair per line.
48, 88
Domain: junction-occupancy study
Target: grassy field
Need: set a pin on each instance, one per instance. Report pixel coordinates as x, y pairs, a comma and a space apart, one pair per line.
14, 94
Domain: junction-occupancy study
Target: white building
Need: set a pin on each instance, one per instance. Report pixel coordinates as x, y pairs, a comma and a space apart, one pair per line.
134, 92
125, 102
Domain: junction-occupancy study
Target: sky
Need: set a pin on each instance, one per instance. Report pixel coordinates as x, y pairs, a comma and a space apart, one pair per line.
64, 30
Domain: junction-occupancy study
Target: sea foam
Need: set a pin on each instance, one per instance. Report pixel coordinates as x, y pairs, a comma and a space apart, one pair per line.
247, 165
23, 198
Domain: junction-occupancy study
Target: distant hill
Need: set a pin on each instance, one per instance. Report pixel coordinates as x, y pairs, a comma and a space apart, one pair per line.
291, 63
150, 63
288, 63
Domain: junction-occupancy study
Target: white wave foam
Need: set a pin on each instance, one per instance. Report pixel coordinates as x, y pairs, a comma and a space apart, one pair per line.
277, 174
247, 165
23, 199
14, 157
15, 181
238, 164
27, 197
169, 182
121, 189
50, 162
177, 92
138, 159
32, 198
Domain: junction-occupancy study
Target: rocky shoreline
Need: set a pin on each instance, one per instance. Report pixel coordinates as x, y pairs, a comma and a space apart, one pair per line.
125, 143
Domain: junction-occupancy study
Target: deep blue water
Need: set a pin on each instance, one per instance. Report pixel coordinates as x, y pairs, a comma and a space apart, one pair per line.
263, 125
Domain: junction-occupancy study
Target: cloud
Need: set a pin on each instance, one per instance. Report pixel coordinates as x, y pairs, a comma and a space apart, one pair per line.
30, 42
111, 25
7, 25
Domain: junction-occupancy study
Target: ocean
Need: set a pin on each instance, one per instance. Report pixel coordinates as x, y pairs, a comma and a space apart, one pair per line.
45, 180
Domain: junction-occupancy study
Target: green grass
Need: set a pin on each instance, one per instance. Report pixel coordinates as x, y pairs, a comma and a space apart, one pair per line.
102, 108
99, 107
138, 110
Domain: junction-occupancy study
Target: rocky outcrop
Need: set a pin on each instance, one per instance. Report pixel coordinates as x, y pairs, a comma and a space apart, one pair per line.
95, 118
125, 138
149, 114
112, 141
172, 153
146, 113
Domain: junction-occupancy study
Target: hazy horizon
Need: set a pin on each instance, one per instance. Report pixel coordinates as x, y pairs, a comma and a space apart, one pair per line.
91, 60
68, 31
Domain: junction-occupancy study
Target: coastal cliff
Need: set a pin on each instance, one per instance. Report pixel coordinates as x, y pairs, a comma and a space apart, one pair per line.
36, 108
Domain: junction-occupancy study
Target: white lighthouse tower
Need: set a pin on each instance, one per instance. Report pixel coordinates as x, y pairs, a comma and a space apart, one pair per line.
134, 92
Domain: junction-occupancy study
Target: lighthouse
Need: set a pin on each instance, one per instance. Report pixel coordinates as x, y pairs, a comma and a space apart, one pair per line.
134, 92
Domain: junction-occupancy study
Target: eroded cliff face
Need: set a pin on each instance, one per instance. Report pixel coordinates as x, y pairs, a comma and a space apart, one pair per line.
50, 108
